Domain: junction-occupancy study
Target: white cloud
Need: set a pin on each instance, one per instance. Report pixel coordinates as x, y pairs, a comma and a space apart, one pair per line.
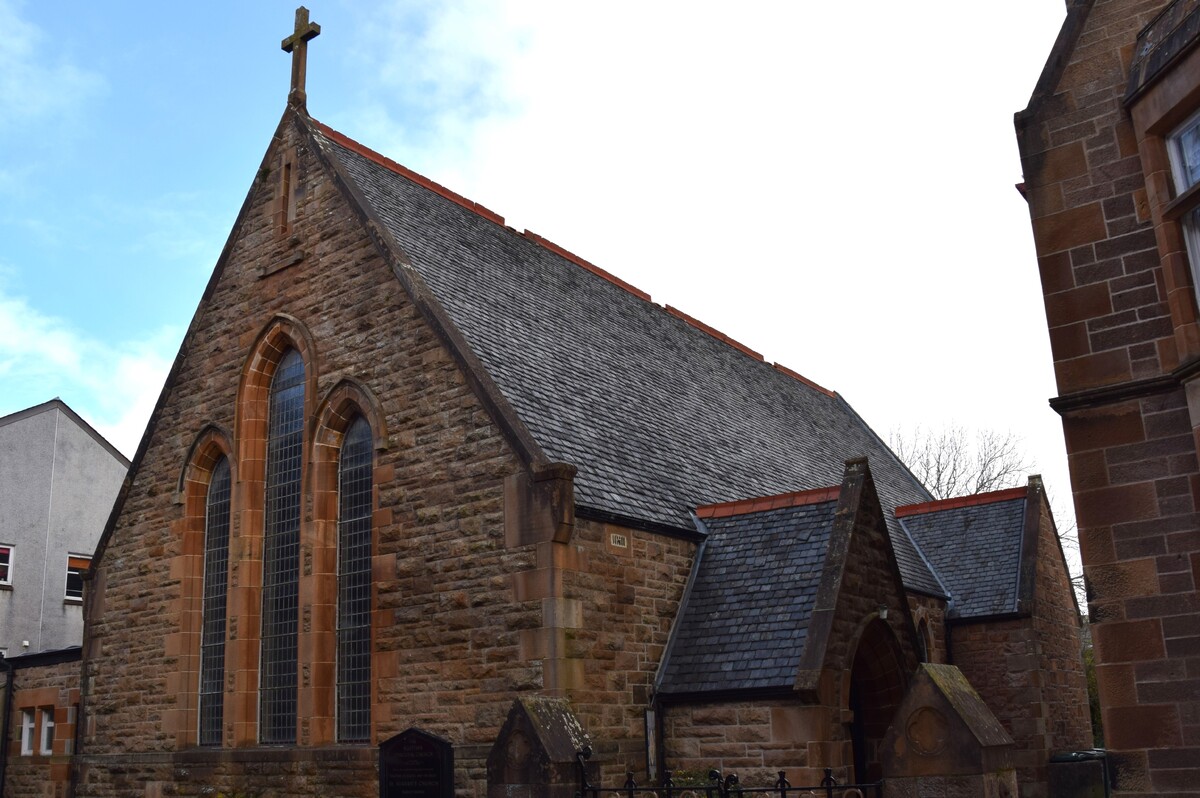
833, 188
113, 385
433, 72
35, 82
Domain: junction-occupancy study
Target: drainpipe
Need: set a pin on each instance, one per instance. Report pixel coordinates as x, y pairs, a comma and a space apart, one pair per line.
7, 725
659, 754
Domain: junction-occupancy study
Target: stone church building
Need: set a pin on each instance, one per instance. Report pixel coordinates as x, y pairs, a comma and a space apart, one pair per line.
1110, 147
414, 469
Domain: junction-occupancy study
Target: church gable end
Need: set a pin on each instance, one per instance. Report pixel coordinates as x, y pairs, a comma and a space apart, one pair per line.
319, 290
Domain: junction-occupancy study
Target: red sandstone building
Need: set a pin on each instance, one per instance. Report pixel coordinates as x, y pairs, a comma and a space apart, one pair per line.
1110, 144
414, 469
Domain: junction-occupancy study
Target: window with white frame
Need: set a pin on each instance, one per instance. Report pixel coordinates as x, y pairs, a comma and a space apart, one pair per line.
6, 563
27, 728
47, 730
1183, 147
76, 565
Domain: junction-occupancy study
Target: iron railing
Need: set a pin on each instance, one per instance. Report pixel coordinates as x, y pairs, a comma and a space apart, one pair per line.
721, 785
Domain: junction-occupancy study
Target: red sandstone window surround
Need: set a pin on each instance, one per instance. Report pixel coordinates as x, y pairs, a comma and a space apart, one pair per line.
333, 442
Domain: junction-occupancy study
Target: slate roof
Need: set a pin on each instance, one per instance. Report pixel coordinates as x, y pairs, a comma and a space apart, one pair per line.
745, 621
657, 415
1161, 44
976, 551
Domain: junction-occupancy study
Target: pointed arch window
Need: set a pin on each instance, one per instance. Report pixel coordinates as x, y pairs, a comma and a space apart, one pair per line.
354, 584
924, 642
281, 552
216, 581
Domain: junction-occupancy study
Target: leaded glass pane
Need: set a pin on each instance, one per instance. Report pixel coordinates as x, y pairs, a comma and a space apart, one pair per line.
212, 637
354, 585
281, 553
1189, 154
1183, 147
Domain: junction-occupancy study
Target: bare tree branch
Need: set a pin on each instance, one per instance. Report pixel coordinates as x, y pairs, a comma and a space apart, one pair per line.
950, 462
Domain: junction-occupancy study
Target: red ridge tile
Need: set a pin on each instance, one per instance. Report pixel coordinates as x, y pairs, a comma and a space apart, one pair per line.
758, 504
798, 376
961, 501
458, 199
587, 265
720, 336
388, 163
529, 235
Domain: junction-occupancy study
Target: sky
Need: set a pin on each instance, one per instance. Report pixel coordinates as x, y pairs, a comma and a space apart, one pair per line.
832, 184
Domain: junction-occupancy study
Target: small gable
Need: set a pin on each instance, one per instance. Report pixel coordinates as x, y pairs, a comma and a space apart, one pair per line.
746, 617
944, 728
974, 544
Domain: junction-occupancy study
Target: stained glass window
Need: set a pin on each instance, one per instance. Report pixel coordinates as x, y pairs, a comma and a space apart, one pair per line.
281, 553
216, 573
354, 585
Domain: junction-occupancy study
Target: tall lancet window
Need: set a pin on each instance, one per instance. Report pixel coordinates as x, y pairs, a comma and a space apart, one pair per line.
216, 580
354, 585
281, 553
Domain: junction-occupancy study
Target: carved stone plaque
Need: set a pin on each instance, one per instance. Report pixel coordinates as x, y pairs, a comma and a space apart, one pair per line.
416, 764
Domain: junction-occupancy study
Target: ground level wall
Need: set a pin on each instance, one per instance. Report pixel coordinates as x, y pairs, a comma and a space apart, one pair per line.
45, 687
756, 740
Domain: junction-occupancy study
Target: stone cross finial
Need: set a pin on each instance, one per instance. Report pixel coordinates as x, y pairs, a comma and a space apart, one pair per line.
297, 45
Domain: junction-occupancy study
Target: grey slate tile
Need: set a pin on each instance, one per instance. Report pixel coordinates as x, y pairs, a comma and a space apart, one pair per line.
658, 416
976, 551
746, 618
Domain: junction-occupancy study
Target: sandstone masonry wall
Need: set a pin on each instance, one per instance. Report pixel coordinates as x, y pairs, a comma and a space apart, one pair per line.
1001, 660
754, 739
1029, 669
53, 687
1067, 725
1121, 323
628, 597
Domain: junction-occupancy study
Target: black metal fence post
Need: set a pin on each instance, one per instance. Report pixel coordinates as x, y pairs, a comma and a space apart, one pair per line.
829, 782
581, 758
714, 784
719, 785
782, 785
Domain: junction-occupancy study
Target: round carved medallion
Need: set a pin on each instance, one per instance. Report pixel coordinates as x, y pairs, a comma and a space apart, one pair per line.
518, 750
927, 730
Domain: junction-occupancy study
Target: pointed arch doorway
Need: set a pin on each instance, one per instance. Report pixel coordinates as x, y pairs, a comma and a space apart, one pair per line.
877, 685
